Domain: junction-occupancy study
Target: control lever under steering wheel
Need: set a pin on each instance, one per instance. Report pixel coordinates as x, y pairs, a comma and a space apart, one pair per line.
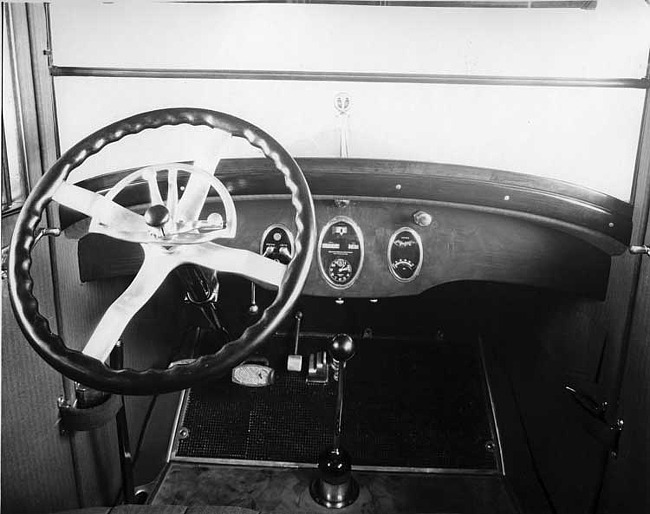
171, 235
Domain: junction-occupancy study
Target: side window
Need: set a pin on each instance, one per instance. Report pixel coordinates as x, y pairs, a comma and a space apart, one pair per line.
14, 167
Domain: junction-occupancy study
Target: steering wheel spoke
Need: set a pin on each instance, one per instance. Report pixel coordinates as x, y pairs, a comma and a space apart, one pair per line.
154, 270
110, 218
253, 266
197, 189
154, 191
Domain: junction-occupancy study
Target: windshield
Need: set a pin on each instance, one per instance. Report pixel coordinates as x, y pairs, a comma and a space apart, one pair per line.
434, 84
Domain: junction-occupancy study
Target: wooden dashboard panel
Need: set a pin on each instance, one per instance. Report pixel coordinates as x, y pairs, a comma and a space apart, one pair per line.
460, 245
488, 225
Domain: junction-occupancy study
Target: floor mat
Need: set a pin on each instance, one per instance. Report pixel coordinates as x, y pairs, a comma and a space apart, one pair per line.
407, 405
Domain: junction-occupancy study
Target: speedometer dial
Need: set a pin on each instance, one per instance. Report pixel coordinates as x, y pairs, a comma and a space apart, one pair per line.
340, 252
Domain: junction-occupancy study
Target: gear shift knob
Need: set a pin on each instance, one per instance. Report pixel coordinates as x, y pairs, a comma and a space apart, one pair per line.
342, 347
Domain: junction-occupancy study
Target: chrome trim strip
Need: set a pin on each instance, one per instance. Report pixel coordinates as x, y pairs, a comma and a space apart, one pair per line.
418, 240
306, 465
359, 235
331, 76
180, 413
493, 417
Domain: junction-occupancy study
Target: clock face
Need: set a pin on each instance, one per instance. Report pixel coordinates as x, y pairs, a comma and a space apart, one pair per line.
340, 252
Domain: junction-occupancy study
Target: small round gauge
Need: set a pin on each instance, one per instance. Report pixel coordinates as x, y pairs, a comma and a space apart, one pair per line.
405, 254
340, 271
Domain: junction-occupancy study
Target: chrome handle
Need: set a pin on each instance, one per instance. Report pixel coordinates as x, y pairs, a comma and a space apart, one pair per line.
640, 250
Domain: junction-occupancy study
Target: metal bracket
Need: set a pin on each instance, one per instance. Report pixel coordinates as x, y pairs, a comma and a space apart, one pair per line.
5, 262
596, 424
640, 250
40, 234
51, 232
62, 404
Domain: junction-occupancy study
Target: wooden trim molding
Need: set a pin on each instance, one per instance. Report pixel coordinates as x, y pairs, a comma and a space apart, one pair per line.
569, 207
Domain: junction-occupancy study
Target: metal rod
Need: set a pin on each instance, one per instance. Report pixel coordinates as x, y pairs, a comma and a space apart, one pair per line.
296, 340
339, 406
327, 76
489, 4
124, 445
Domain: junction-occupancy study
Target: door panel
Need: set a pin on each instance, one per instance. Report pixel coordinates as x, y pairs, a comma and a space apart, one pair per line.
37, 467
626, 486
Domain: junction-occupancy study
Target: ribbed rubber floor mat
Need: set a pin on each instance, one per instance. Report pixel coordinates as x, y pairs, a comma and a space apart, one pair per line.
407, 404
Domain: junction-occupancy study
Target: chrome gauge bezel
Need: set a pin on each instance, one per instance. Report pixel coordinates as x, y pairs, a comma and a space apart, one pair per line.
418, 240
285, 229
321, 237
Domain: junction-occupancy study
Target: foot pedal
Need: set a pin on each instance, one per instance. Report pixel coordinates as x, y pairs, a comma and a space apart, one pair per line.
318, 370
294, 361
255, 372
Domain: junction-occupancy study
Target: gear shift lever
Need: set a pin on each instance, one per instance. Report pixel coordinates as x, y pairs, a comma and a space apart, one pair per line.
335, 487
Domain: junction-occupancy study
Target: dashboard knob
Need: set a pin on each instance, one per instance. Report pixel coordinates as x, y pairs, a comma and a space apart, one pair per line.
422, 219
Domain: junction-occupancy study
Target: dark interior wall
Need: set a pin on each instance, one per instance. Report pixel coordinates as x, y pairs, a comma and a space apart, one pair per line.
540, 347
626, 484
148, 342
37, 471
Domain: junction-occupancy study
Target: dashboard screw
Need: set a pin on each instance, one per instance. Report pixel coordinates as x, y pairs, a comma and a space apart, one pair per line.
183, 433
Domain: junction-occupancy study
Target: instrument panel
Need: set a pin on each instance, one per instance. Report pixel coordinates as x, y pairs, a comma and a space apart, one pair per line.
340, 252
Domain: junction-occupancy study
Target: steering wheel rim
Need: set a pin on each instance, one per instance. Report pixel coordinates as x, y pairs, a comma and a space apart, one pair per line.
94, 373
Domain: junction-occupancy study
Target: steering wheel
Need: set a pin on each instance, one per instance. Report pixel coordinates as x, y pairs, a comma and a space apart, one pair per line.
171, 235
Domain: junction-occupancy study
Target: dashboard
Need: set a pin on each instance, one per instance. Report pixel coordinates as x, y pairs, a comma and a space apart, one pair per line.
396, 228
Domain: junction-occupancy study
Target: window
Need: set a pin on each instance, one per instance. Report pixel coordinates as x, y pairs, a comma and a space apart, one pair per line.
14, 167
584, 135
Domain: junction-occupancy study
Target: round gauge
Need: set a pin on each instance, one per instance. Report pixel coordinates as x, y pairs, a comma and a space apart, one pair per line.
340, 271
405, 254
340, 252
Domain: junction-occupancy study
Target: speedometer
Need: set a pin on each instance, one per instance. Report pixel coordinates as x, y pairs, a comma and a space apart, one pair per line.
340, 252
